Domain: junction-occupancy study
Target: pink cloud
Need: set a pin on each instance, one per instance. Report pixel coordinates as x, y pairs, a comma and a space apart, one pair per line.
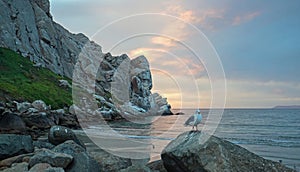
201, 17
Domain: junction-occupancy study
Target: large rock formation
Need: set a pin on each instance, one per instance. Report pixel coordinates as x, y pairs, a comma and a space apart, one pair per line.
186, 153
27, 27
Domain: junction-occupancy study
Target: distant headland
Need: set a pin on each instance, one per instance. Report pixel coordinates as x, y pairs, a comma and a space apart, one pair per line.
287, 107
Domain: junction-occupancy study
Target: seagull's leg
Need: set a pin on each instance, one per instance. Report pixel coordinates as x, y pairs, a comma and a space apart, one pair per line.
196, 127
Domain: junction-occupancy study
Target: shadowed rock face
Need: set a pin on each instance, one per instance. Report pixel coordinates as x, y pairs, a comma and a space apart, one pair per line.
186, 153
128, 83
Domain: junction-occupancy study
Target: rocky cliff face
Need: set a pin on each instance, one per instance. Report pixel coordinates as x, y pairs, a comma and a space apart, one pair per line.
27, 27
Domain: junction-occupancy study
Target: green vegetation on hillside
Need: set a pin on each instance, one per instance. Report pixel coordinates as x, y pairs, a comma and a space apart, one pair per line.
21, 81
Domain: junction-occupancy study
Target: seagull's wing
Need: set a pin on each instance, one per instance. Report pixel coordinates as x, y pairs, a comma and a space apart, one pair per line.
188, 121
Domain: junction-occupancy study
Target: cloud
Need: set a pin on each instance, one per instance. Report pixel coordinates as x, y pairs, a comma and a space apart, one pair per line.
245, 18
166, 60
246, 93
150, 53
203, 18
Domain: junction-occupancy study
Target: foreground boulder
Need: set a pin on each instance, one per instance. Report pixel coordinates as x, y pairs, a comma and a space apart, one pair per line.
186, 153
12, 145
81, 160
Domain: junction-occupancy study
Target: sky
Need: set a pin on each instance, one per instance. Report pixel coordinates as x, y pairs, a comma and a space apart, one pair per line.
236, 53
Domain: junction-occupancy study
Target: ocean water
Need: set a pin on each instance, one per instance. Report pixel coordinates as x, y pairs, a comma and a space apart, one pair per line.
271, 133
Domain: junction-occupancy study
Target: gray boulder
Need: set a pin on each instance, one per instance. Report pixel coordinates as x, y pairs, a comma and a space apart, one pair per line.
12, 123
55, 159
12, 145
186, 153
60, 134
81, 160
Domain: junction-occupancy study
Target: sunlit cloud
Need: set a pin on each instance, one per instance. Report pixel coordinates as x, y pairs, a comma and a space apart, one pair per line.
164, 60
167, 42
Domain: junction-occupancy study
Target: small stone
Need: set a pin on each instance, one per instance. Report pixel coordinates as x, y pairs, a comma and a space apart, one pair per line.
22, 107
64, 84
40, 105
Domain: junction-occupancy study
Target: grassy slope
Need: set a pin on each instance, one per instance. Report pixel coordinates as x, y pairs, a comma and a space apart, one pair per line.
20, 81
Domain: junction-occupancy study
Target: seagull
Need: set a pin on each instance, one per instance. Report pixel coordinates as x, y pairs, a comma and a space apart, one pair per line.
194, 120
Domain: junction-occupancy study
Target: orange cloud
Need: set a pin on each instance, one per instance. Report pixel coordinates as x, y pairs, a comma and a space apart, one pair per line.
245, 18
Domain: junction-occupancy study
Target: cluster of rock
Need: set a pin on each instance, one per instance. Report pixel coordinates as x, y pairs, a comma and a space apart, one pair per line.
61, 151
33, 118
